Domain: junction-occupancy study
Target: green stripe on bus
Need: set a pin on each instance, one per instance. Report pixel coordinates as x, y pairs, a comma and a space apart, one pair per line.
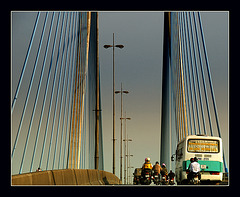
213, 166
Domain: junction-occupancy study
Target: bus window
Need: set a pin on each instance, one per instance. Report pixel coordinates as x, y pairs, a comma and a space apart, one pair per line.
203, 146
179, 153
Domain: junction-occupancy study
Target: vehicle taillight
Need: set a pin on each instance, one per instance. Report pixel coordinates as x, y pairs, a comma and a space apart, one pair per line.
214, 173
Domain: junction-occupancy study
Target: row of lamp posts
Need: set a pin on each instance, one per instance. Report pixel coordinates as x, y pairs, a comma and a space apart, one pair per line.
126, 140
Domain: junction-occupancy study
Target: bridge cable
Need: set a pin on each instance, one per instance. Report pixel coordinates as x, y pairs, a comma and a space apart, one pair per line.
70, 104
185, 75
70, 67
49, 109
211, 87
63, 84
193, 76
28, 92
203, 76
58, 85
189, 78
39, 85
71, 133
25, 62
34, 108
197, 75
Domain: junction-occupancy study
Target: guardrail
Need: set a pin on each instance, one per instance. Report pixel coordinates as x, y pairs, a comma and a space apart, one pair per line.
67, 177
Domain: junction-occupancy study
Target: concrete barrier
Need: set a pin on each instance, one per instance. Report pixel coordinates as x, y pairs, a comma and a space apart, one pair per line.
22, 179
66, 177
42, 178
82, 177
103, 177
94, 177
111, 179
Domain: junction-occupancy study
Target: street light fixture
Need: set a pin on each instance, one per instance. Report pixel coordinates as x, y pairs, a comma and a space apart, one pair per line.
119, 46
106, 47
125, 92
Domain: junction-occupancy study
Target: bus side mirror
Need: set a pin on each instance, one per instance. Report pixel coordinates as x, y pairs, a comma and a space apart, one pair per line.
172, 157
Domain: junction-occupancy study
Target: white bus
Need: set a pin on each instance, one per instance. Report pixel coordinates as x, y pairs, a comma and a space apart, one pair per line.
209, 152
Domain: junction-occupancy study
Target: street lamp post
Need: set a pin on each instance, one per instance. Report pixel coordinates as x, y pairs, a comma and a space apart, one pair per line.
113, 46
128, 155
97, 103
126, 164
130, 174
125, 148
125, 92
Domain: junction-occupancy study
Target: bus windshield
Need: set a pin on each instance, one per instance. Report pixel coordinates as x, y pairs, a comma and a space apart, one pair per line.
203, 146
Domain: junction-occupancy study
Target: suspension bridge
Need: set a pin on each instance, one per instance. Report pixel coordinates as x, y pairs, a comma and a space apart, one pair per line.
56, 97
